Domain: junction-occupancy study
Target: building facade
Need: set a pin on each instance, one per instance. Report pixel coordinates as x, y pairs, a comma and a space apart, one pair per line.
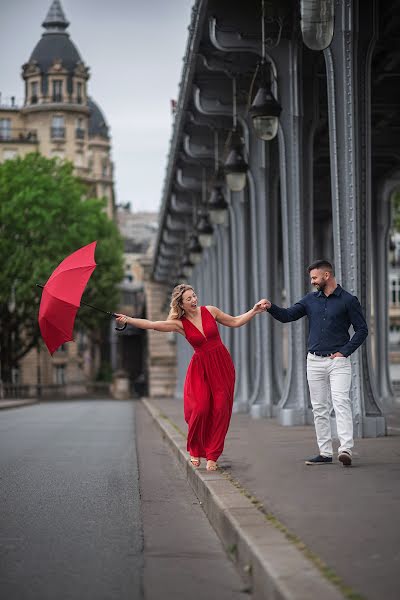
59, 119
284, 150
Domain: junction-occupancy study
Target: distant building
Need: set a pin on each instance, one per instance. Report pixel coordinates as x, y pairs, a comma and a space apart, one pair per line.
59, 119
129, 349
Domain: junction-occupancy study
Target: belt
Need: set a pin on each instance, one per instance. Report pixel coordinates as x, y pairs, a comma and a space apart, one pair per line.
322, 354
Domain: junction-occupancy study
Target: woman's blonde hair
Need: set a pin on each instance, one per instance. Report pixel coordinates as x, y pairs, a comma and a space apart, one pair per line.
177, 311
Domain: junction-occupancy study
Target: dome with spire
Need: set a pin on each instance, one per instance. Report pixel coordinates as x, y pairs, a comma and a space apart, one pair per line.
97, 122
55, 43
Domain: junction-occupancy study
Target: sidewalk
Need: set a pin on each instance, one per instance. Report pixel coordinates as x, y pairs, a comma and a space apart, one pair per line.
16, 403
345, 519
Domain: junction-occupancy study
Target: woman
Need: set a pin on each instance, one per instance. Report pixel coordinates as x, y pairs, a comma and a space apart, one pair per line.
210, 378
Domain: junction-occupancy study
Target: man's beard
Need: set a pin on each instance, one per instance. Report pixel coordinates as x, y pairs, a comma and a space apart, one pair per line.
320, 286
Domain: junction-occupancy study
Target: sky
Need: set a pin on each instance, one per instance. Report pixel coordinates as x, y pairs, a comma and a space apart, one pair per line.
134, 49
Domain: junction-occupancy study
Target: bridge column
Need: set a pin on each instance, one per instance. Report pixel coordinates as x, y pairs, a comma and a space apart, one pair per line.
292, 408
348, 66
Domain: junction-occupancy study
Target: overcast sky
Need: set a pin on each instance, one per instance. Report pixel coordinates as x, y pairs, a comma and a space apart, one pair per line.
134, 49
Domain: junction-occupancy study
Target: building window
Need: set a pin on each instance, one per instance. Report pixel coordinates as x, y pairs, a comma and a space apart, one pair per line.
59, 374
79, 97
5, 129
9, 154
34, 92
79, 131
57, 90
58, 127
104, 167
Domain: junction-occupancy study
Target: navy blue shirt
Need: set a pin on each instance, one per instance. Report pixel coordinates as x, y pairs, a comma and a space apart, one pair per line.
329, 319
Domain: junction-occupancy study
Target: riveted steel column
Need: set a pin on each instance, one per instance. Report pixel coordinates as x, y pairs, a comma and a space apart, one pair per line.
380, 242
240, 357
293, 405
264, 391
348, 66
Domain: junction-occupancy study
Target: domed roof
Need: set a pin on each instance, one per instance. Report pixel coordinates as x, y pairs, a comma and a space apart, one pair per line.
55, 42
97, 122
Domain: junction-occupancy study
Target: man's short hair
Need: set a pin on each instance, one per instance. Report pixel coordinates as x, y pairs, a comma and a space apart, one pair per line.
324, 265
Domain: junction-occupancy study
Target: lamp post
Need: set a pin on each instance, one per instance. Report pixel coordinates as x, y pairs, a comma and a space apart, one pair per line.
235, 166
317, 23
218, 206
205, 231
265, 109
195, 249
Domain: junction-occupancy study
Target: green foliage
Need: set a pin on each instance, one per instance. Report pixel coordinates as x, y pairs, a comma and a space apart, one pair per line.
396, 210
44, 216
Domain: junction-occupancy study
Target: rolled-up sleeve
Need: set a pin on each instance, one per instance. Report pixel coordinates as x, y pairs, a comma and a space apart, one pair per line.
360, 327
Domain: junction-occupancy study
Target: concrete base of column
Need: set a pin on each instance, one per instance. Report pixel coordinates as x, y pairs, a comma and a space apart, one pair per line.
374, 427
292, 416
258, 411
240, 407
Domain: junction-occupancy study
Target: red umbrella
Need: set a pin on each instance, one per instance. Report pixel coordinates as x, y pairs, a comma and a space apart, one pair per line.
62, 295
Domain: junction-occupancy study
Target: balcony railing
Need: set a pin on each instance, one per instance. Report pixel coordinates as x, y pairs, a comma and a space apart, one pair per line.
19, 135
58, 133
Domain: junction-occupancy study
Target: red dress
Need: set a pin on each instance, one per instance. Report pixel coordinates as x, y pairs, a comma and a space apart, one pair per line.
208, 391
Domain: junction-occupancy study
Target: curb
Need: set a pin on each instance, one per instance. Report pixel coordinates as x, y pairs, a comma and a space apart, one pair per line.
274, 568
16, 403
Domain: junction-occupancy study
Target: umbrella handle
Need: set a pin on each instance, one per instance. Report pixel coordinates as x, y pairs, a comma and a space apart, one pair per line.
119, 328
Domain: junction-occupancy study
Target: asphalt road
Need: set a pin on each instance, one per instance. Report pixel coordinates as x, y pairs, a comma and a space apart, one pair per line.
83, 518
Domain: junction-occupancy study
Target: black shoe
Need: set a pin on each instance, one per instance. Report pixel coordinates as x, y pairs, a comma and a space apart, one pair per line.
345, 458
319, 460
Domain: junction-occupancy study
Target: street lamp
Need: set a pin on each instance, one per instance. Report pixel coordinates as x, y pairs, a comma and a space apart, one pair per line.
195, 250
187, 268
205, 231
317, 23
218, 206
265, 111
235, 169
235, 166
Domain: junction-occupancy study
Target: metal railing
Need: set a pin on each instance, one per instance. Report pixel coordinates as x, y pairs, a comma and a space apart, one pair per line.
15, 134
57, 133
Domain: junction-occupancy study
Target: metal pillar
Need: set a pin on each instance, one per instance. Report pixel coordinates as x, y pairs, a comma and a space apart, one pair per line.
348, 66
294, 402
380, 241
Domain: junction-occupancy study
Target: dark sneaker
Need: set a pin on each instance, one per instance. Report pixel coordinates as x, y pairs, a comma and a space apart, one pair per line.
345, 458
319, 460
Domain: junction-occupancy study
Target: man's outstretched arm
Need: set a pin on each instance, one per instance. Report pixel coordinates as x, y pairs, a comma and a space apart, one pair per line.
285, 315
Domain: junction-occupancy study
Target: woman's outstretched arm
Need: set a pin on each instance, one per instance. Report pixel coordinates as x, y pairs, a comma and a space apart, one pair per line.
165, 326
239, 320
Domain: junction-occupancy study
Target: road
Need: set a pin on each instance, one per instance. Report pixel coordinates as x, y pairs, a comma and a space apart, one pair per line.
93, 507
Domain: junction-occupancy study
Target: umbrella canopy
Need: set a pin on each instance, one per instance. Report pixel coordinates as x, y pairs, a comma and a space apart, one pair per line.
62, 295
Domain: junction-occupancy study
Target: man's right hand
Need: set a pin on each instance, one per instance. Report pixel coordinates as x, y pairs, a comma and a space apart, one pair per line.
267, 304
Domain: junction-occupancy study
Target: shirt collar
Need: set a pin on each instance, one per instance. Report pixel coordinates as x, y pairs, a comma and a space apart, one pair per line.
337, 291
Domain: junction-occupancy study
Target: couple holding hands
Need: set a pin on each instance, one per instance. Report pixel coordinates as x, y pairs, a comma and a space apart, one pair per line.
210, 379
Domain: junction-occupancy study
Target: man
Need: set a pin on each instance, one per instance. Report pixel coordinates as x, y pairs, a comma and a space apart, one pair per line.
330, 311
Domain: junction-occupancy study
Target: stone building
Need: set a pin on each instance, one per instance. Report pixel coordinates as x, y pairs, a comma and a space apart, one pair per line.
58, 118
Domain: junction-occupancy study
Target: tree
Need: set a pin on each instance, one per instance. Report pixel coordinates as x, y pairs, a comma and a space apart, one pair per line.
44, 216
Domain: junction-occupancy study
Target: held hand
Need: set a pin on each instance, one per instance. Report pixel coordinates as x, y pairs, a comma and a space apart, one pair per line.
121, 319
261, 306
337, 355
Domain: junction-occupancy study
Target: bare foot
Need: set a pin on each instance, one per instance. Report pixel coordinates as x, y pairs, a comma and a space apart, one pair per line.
211, 465
195, 462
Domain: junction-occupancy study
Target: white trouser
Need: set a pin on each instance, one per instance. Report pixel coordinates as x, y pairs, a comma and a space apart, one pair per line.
335, 372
